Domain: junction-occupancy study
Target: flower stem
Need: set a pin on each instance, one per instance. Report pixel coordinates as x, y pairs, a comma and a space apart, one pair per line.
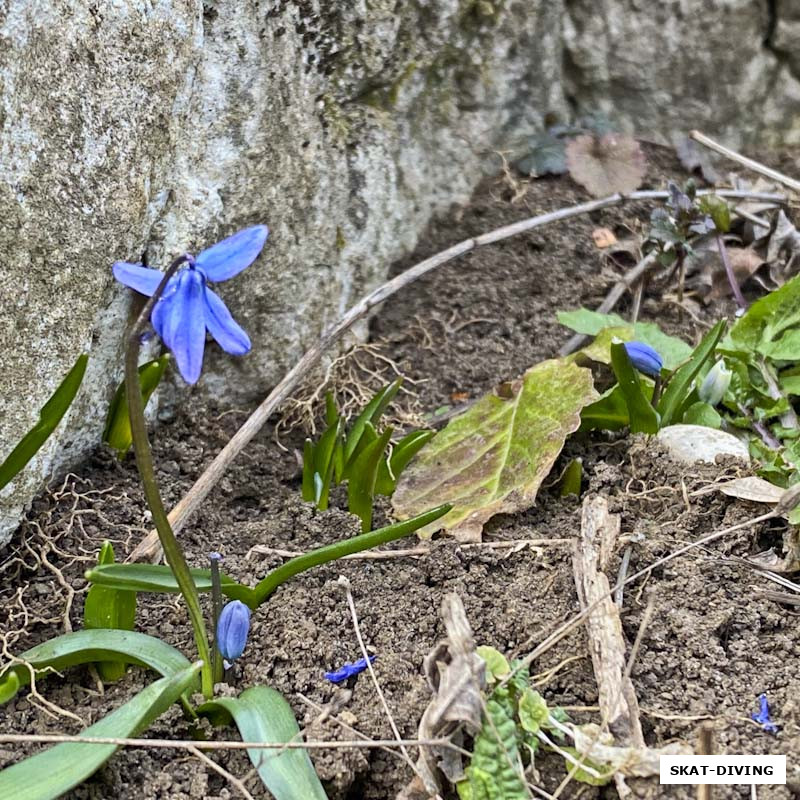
144, 463
737, 292
216, 605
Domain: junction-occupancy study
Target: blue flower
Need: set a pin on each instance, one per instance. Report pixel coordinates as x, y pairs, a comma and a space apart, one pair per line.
188, 307
232, 629
644, 358
348, 670
762, 717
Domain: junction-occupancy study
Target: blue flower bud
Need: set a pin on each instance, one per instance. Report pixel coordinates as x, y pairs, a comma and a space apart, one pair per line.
232, 629
348, 670
715, 384
644, 358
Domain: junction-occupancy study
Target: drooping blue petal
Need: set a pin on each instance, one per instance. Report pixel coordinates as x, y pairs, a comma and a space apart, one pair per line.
230, 256
143, 279
183, 324
230, 336
161, 309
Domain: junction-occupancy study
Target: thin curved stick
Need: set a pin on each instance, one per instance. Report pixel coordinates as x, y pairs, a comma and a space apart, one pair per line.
148, 548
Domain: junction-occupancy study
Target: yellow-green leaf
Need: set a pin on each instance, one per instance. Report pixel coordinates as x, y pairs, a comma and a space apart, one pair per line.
493, 458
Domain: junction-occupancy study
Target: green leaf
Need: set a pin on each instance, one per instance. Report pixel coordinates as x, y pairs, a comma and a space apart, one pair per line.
718, 210
790, 385
49, 417
643, 418
702, 414
609, 413
331, 412
495, 769
48, 775
672, 350
372, 412
307, 492
159, 578
762, 327
355, 544
361, 482
324, 462
497, 666
589, 322
262, 715
571, 479
368, 437
680, 383
109, 608
89, 646
390, 470
117, 433
533, 711
492, 458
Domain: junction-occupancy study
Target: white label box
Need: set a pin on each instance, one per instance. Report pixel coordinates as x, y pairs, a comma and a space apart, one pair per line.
729, 769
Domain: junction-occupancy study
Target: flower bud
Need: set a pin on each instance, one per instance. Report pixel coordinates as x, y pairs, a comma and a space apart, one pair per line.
715, 384
644, 358
232, 629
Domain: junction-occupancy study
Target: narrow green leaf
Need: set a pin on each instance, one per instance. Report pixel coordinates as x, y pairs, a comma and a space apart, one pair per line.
324, 462
371, 412
109, 608
48, 775
361, 482
262, 715
355, 544
117, 433
390, 470
307, 491
680, 383
642, 416
49, 417
85, 647
368, 437
571, 479
331, 412
159, 578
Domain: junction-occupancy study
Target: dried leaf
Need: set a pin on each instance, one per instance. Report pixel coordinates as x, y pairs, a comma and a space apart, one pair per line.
695, 159
752, 488
492, 458
606, 165
603, 237
745, 262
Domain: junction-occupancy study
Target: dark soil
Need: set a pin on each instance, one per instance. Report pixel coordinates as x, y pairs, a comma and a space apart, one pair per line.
713, 645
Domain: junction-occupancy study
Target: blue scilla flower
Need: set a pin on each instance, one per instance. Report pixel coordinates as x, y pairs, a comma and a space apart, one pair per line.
762, 717
644, 358
232, 629
348, 670
188, 307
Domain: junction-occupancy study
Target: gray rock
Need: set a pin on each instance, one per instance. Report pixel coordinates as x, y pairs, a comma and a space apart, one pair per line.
148, 127
691, 443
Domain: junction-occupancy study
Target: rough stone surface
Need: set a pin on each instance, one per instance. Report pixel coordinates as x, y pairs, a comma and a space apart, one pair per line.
141, 128
691, 443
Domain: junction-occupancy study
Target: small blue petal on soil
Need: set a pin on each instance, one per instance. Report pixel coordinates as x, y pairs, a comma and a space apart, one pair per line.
348, 670
762, 717
232, 630
644, 358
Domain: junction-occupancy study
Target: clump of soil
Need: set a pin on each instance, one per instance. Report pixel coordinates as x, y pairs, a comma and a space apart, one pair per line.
712, 646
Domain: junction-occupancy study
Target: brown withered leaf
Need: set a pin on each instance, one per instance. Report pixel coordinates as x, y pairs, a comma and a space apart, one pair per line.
745, 262
606, 164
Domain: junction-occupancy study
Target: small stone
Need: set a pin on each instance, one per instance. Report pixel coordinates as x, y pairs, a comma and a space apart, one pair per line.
691, 443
